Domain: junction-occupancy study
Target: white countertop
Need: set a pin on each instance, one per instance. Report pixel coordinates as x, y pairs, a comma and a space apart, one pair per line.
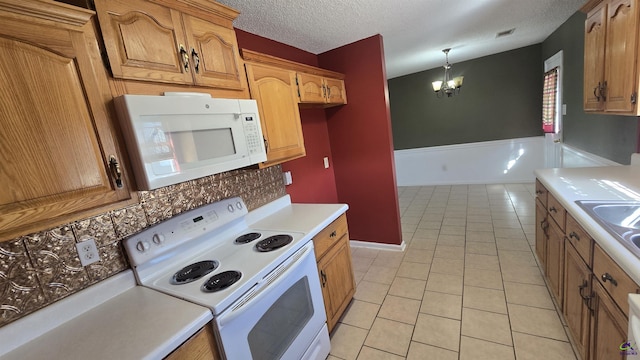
305, 218
597, 183
114, 319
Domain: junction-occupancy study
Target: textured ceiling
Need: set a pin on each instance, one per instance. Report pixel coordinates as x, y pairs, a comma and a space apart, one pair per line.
414, 31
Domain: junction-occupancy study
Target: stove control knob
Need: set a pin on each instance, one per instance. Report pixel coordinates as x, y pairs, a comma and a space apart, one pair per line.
231, 208
158, 239
239, 205
143, 246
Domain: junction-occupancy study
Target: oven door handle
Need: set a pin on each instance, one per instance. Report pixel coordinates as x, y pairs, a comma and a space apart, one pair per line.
260, 290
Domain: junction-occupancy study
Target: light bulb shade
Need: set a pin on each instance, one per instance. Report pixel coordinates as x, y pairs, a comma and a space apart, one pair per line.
437, 85
458, 81
451, 84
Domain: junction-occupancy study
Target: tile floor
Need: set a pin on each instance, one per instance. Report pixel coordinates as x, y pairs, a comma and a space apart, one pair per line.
467, 286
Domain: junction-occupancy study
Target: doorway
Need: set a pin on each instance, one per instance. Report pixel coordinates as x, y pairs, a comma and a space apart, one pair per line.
553, 139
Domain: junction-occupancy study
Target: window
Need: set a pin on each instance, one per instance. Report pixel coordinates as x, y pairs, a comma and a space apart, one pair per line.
549, 105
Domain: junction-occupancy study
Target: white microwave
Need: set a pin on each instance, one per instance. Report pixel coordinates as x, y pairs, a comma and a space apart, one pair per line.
184, 136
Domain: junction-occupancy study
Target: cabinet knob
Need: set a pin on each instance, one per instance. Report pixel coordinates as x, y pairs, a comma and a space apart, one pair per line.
574, 235
553, 209
333, 234
115, 170
607, 276
185, 57
196, 60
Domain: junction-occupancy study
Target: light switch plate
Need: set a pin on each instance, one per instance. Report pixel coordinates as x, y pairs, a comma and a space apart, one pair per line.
326, 162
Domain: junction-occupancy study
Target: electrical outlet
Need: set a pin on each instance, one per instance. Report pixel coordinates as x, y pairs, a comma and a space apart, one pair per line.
88, 252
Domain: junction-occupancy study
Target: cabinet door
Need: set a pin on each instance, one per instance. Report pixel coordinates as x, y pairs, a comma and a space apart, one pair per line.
275, 91
542, 226
336, 277
594, 38
555, 260
577, 291
608, 327
311, 89
143, 41
57, 133
201, 346
213, 53
336, 93
621, 55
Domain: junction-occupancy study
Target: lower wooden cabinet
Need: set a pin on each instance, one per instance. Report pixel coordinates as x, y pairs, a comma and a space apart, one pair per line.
554, 267
201, 346
608, 326
542, 226
577, 298
335, 269
590, 287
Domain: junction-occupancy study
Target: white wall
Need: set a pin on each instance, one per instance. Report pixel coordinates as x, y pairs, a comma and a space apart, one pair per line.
490, 162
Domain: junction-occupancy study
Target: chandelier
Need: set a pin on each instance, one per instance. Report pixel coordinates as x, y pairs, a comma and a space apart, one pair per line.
448, 86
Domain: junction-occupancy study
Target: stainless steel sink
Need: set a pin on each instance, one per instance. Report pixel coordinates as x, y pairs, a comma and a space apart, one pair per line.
620, 218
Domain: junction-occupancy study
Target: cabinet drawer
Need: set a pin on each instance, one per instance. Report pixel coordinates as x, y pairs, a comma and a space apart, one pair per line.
541, 193
617, 283
557, 211
329, 235
580, 239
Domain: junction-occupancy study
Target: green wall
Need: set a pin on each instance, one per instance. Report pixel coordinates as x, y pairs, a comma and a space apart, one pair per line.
610, 136
500, 99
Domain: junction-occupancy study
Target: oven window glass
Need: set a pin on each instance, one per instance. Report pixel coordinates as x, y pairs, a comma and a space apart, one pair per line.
281, 324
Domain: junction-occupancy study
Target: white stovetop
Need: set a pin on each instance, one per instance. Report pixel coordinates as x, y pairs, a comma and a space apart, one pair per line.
597, 183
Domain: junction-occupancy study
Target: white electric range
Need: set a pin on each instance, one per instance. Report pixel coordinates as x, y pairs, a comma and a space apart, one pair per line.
261, 285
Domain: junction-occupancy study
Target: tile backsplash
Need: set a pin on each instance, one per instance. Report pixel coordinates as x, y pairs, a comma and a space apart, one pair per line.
41, 268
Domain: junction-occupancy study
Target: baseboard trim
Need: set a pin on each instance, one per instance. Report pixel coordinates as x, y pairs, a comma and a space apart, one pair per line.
378, 246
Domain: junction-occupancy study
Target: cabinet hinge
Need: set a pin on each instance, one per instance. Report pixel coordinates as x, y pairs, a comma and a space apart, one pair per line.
634, 97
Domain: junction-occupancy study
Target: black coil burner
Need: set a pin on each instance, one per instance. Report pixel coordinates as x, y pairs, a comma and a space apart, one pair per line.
247, 238
221, 281
194, 272
273, 242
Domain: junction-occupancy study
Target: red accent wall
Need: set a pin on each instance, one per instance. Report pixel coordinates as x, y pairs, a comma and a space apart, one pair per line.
362, 142
247, 40
312, 183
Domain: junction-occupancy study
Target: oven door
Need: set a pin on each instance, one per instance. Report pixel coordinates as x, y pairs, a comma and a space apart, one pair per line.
282, 318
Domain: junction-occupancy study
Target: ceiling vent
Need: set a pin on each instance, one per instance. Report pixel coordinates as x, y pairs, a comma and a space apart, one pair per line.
505, 33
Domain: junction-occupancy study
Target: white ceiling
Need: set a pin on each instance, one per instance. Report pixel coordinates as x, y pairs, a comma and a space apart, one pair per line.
414, 31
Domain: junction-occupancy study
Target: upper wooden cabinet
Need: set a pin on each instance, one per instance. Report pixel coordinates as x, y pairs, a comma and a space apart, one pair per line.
275, 91
316, 89
610, 68
594, 37
57, 137
175, 42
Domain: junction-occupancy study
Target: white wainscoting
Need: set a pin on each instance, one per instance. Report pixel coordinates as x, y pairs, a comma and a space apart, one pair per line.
572, 157
490, 162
